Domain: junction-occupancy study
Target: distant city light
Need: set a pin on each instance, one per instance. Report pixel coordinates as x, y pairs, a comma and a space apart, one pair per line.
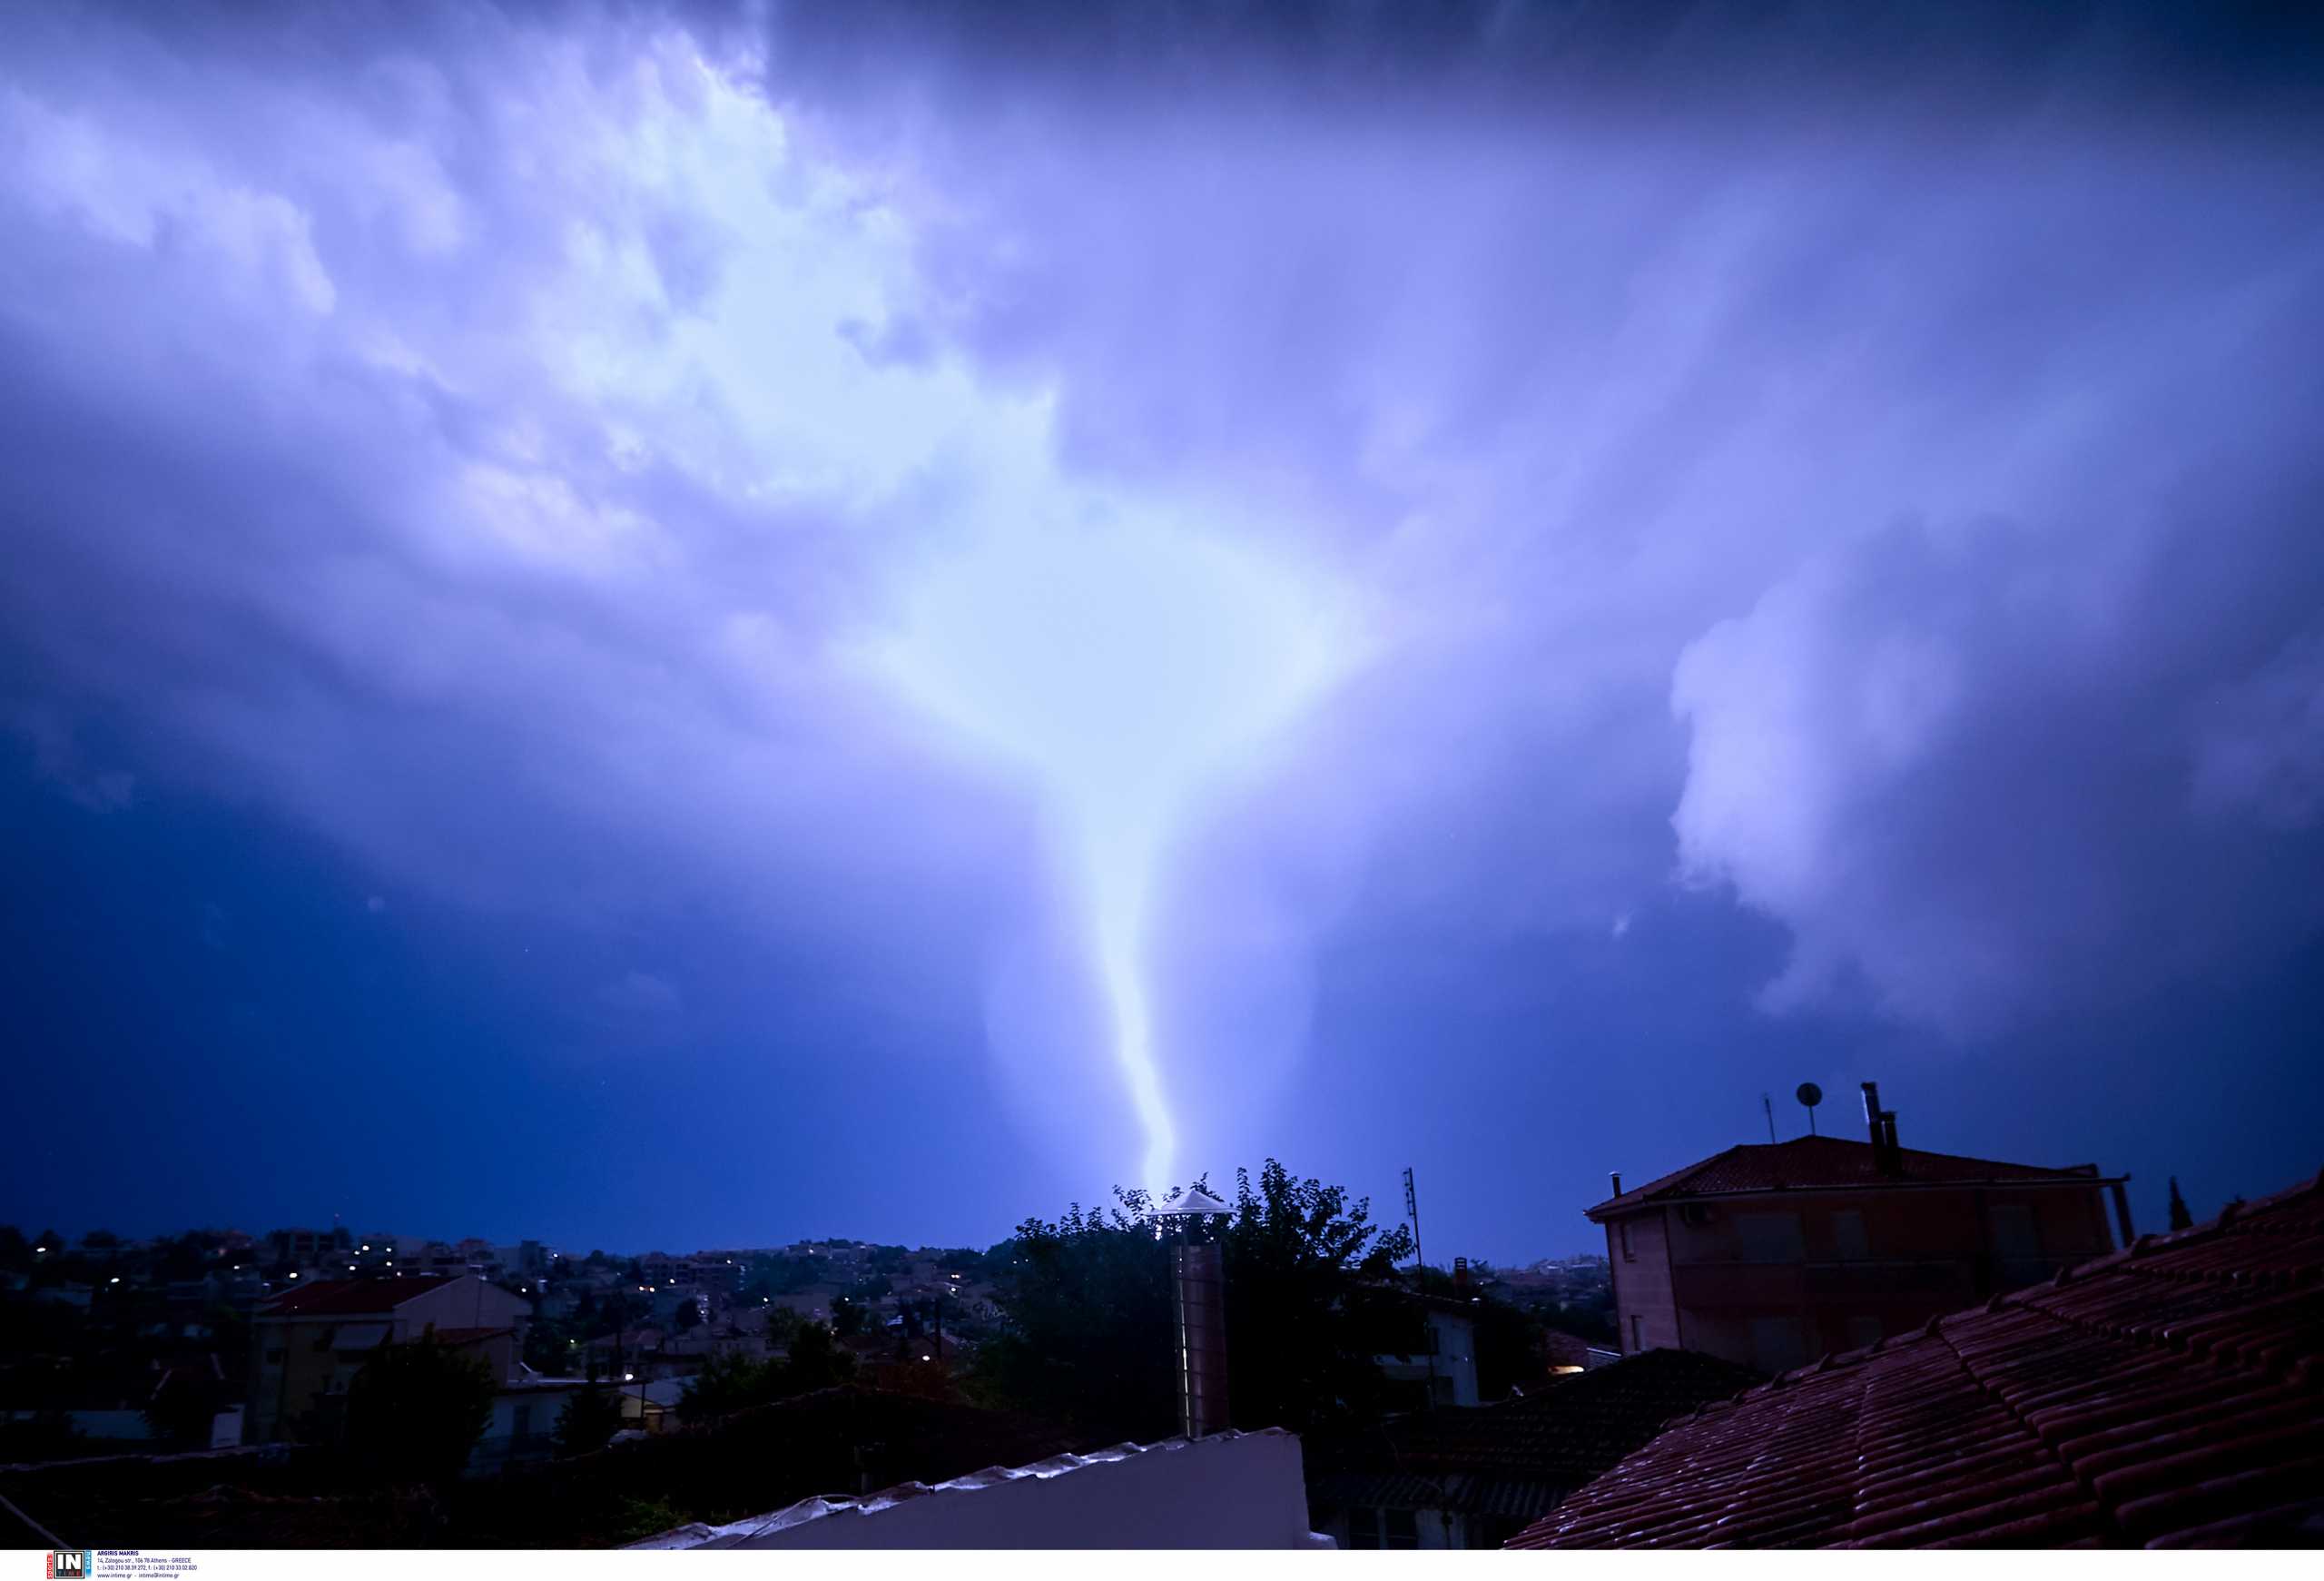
629, 1377
114, 1280
294, 1275
928, 1359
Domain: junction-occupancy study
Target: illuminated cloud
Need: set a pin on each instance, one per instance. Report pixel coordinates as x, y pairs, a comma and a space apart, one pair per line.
1097, 514
1122, 666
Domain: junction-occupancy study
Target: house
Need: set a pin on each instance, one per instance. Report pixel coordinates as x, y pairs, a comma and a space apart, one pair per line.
308, 1344
1443, 1371
2165, 1396
1475, 1478
309, 1248
523, 1424
1228, 1490
1772, 1255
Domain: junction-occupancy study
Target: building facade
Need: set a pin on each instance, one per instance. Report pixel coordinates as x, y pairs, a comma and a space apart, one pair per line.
307, 1345
1772, 1256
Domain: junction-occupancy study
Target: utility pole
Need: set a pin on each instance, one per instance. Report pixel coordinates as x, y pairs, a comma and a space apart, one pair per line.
1768, 1104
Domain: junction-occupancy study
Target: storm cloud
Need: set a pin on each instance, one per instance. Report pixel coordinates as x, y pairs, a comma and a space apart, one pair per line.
1857, 469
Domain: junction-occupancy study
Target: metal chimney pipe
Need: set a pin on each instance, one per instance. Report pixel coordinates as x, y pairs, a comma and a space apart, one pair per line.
1200, 1295
1886, 1156
1615, 1176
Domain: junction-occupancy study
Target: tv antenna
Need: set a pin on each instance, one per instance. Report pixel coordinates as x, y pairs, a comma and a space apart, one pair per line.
1810, 1095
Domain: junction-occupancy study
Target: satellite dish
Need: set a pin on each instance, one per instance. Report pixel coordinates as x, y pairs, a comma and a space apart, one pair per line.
1809, 1094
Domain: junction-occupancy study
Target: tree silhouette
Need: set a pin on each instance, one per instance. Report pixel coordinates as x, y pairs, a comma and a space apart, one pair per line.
1089, 1324
416, 1410
589, 1420
2180, 1218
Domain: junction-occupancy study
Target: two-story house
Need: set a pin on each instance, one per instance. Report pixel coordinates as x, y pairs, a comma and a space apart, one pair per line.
308, 1344
1773, 1255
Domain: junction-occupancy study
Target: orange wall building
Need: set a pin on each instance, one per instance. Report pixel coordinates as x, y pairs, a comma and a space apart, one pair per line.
1774, 1255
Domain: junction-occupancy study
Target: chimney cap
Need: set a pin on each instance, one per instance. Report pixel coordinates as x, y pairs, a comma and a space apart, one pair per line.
1193, 1201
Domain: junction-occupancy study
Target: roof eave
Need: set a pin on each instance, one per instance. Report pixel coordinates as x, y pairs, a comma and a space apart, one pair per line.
1615, 1206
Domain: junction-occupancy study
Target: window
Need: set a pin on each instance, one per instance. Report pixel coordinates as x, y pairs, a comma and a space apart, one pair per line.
2015, 1238
1775, 1344
1637, 1333
2017, 1246
1847, 1233
1769, 1237
1627, 1255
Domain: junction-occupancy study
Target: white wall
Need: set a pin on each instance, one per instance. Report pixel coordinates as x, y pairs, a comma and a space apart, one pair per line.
1229, 1491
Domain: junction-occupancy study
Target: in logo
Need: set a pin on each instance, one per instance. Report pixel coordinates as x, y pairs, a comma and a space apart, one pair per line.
69, 1564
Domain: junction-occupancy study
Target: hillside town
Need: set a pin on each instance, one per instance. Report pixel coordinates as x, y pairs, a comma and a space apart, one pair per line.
223, 1388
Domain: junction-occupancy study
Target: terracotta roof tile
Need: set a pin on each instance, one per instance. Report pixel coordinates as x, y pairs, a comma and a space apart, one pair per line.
1519, 1456
1808, 1163
2164, 1396
347, 1298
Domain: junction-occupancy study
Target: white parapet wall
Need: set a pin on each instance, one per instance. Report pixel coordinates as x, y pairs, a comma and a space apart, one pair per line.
1231, 1490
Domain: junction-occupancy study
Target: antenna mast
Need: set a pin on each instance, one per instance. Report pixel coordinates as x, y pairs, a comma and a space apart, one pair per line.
1419, 1280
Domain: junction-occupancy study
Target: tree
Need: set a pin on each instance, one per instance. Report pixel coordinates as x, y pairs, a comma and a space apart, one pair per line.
15, 1252
849, 1317
183, 1409
815, 1361
729, 1382
416, 1410
1089, 1322
782, 1327
2180, 1218
687, 1315
588, 1422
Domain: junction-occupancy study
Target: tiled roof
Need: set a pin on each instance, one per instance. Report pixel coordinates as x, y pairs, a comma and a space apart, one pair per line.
1518, 1457
347, 1298
2168, 1395
1807, 1162
470, 1336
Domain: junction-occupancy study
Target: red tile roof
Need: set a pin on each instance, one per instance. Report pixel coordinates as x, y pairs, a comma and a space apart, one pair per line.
1808, 1163
469, 1336
1520, 1457
2169, 1395
352, 1298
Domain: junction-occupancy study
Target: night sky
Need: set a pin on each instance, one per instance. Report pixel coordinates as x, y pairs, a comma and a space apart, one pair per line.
672, 627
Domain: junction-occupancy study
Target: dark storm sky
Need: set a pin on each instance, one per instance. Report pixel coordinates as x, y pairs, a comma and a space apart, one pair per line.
597, 599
